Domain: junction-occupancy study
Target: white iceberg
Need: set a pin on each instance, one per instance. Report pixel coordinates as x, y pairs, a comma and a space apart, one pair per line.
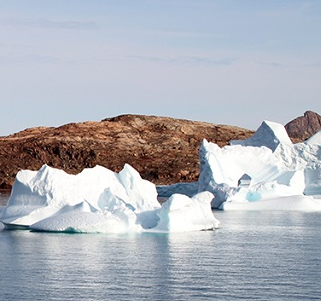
95, 200
274, 168
181, 213
269, 134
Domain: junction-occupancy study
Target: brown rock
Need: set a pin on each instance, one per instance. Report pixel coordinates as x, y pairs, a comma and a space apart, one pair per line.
303, 127
163, 150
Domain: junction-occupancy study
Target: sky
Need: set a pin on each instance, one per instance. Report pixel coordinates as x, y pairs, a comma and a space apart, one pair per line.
226, 62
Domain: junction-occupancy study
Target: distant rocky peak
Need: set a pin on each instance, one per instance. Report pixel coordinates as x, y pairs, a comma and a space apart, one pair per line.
305, 126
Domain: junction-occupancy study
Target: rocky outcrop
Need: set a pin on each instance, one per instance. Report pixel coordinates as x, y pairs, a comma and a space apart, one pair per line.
304, 127
163, 150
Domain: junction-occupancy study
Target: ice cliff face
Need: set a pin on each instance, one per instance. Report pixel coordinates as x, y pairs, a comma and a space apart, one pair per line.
275, 166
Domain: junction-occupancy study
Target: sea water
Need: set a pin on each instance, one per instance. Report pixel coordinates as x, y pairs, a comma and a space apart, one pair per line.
253, 256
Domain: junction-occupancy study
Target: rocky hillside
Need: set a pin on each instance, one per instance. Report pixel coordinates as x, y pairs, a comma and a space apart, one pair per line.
164, 150
304, 127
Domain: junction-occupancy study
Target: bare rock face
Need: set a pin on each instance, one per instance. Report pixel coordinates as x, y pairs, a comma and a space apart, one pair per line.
163, 150
304, 127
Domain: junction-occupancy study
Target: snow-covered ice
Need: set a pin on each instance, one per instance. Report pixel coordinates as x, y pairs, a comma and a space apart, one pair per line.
99, 200
278, 171
269, 134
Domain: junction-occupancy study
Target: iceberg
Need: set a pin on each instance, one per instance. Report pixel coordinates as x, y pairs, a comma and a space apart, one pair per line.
267, 166
99, 200
181, 213
269, 134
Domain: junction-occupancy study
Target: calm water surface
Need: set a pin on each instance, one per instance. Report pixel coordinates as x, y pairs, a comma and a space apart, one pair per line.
253, 256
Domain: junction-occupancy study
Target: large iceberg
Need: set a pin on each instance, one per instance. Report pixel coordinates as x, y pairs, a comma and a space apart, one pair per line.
267, 166
99, 200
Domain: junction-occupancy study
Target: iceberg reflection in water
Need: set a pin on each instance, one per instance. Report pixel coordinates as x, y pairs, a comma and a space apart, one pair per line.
254, 255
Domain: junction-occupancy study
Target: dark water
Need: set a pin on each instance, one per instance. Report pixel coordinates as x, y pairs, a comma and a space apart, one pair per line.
253, 256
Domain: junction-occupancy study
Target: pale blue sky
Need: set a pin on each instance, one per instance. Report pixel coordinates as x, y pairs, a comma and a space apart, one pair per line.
235, 62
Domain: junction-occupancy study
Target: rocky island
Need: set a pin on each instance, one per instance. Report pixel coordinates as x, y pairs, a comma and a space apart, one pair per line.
163, 150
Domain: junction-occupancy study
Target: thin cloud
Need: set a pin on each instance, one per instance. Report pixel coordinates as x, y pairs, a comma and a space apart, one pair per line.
185, 60
176, 33
291, 10
31, 58
49, 24
208, 60
145, 58
315, 65
272, 64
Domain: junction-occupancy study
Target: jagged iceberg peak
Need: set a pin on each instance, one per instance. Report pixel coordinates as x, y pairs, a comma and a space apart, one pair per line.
269, 134
95, 200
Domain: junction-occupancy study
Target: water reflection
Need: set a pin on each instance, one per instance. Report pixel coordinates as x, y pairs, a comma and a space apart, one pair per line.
254, 255
152, 266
